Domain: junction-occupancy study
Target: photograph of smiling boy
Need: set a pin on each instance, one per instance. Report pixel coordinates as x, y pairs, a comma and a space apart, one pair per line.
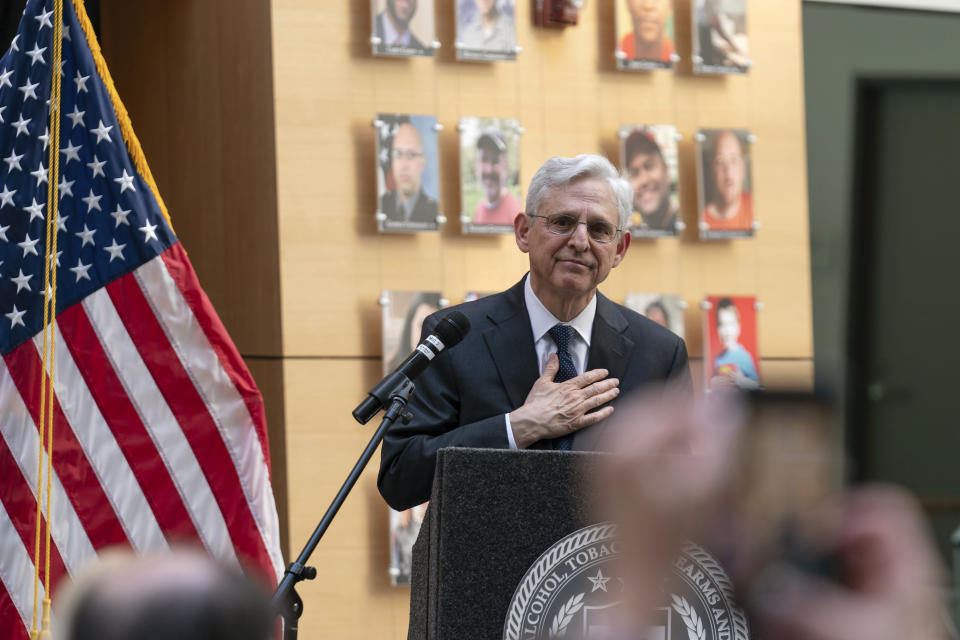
664, 309
725, 198
407, 179
402, 27
730, 342
645, 34
648, 157
489, 174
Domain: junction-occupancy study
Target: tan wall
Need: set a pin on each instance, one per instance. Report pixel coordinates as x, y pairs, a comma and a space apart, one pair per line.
324, 265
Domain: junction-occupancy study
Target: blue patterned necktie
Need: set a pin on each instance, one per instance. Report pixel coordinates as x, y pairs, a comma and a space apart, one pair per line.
562, 335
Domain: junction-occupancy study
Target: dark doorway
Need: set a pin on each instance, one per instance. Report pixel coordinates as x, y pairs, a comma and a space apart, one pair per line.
10, 13
12, 10
904, 317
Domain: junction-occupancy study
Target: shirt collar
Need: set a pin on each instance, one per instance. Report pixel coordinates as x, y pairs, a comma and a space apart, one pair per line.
541, 320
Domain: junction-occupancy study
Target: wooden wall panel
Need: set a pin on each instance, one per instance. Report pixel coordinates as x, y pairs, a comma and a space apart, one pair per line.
197, 81
352, 596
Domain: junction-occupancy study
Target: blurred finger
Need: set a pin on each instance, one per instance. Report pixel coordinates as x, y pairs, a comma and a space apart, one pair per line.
647, 423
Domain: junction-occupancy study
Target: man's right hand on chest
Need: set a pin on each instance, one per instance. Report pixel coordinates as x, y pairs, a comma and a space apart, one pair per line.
555, 409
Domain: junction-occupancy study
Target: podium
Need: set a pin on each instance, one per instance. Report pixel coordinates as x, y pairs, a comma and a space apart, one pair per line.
492, 514
509, 549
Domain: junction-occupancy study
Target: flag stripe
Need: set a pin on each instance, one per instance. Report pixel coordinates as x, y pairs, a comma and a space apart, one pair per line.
16, 577
160, 422
244, 434
8, 611
21, 507
124, 423
101, 450
182, 273
20, 436
191, 412
81, 484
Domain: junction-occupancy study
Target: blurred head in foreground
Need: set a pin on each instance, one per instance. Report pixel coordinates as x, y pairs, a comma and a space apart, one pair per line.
755, 480
181, 595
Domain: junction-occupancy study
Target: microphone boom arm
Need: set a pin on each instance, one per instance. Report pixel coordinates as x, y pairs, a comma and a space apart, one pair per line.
286, 601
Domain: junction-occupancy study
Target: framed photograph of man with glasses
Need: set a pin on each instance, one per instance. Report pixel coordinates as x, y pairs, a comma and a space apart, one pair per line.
407, 176
402, 28
489, 174
725, 193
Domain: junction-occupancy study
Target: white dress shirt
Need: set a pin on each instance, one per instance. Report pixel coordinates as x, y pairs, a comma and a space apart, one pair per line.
541, 321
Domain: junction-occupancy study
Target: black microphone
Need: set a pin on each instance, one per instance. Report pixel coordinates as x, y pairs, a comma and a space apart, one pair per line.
449, 332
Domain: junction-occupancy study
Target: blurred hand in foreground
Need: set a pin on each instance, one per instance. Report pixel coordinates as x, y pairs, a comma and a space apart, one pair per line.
891, 586
673, 477
671, 465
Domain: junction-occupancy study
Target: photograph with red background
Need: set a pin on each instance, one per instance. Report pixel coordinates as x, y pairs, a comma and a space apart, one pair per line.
730, 340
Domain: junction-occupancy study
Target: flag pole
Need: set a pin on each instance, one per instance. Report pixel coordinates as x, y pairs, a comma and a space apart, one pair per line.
49, 325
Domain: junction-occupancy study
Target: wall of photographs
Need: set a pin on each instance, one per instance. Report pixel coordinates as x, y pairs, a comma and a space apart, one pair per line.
476, 131
278, 205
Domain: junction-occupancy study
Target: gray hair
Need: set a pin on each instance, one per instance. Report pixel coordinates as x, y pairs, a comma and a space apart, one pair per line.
558, 171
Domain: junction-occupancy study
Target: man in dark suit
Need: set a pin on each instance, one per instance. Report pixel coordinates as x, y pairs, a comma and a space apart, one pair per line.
544, 359
408, 202
392, 26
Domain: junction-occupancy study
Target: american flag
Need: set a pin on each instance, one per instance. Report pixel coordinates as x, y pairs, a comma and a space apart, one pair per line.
159, 433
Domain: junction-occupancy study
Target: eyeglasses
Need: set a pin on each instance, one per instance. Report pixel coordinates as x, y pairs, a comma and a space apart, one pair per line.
564, 224
406, 154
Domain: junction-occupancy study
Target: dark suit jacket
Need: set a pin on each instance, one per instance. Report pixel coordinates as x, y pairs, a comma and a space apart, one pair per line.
461, 398
425, 211
380, 32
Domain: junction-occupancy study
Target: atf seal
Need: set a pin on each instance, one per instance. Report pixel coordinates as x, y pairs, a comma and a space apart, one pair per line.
573, 584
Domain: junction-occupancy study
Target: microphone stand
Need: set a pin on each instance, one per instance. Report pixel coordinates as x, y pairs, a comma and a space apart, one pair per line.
286, 601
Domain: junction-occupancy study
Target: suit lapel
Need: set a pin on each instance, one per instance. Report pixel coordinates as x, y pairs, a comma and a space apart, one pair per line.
610, 349
510, 342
